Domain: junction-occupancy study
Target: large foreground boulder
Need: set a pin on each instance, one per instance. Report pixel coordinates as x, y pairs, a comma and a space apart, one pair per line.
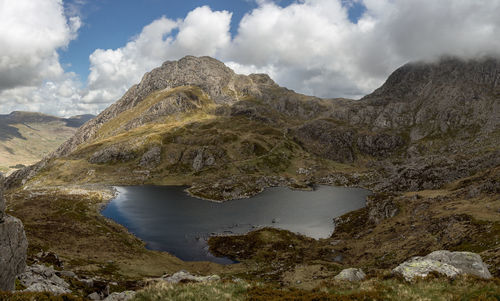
13, 246
443, 262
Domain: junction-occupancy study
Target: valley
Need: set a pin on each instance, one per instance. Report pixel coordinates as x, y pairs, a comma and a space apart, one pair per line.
27, 137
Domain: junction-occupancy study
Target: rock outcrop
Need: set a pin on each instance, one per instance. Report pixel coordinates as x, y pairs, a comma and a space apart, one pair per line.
450, 264
351, 274
40, 278
13, 246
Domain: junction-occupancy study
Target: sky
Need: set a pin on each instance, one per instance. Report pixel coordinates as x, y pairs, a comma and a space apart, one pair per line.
79, 56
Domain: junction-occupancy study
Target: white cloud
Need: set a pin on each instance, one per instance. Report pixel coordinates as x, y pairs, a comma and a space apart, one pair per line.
310, 46
202, 32
314, 48
30, 72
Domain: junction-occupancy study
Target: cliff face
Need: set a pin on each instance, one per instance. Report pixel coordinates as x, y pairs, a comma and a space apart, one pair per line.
13, 246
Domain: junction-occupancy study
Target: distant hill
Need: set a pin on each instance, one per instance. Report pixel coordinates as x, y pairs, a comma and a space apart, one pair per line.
26, 137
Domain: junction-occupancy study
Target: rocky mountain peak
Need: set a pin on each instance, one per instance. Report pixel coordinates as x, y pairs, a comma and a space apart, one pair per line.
450, 77
221, 84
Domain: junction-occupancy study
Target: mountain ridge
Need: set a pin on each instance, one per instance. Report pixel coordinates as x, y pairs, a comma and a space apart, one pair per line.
394, 118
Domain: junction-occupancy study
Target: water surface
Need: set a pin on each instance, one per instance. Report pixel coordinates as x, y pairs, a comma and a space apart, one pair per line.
168, 219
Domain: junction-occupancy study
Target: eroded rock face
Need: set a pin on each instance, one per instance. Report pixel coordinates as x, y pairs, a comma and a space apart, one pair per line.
13, 246
443, 262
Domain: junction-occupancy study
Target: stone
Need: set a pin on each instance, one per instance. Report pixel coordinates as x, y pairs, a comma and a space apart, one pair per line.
151, 158
443, 262
420, 267
94, 296
87, 282
123, 296
468, 262
40, 278
351, 274
13, 246
183, 276
69, 274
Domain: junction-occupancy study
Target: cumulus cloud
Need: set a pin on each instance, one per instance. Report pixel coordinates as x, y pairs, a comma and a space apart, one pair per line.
31, 32
202, 32
310, 46
313, 47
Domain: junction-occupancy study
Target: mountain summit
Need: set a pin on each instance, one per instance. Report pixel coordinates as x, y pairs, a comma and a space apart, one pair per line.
195, 122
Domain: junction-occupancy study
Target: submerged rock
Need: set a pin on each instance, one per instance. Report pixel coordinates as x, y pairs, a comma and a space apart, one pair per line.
351, 274
443, 262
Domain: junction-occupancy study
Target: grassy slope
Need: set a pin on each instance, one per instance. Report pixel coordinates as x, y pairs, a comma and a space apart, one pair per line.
249, 148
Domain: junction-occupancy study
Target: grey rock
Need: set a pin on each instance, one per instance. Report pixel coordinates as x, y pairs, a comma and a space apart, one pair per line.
40, 278
122, 296
351, 274
379, 210
182, 276
112, 154
327, 140
94, 296
468, 262
421, 267
151, 158
443, 262
69, 274
13, 246
47, 287
87, 282
198, 161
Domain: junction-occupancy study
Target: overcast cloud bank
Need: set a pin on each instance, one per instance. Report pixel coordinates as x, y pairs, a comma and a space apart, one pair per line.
310, 46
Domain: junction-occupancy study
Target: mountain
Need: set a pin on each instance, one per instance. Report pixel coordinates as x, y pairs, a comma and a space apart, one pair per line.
195, 122
425, 143
26, 137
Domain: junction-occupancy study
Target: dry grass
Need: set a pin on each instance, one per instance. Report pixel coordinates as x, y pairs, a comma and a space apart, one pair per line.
70, 225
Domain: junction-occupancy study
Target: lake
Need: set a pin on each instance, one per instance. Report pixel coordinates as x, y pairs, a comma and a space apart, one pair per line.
170, 220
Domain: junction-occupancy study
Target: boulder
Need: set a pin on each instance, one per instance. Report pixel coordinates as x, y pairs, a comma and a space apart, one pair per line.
183, 276
123, 296
351, 274
40, 278
13, 246
94, 296
468, 262
443, 262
